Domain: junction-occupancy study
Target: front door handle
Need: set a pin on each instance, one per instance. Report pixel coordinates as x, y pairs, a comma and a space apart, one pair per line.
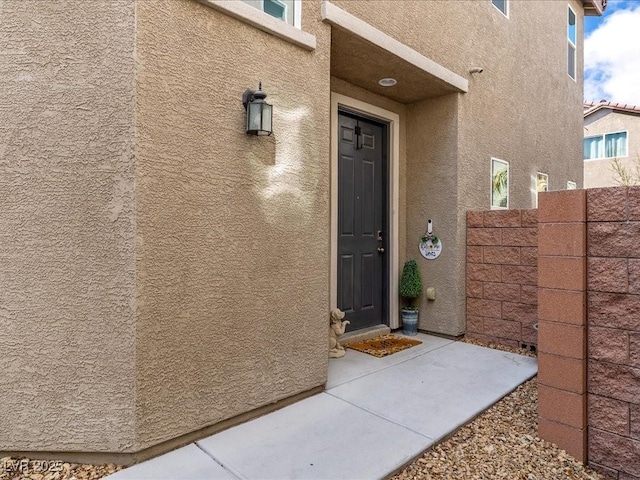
380, 249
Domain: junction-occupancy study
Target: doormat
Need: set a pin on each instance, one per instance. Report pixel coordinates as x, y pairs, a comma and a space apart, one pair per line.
384, 345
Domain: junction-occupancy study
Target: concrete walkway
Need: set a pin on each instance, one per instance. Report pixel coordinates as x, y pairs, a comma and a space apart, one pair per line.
376, 415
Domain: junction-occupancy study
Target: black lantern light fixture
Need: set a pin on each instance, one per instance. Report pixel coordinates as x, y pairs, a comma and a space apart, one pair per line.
259, 112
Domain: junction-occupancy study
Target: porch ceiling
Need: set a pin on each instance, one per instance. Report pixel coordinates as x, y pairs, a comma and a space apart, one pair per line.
362, 55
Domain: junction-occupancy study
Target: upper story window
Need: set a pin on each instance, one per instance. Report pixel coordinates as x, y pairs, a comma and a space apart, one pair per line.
571, 185
571, 43
499, 184
609, 145
502, 5
286, 10
542, 184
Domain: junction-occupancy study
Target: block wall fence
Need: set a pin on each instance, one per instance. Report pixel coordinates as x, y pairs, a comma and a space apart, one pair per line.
587, 246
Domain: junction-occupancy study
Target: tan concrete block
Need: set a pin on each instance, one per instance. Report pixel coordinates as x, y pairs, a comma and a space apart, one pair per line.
562, 206
607, 204
566, 273
563, 373
561, 306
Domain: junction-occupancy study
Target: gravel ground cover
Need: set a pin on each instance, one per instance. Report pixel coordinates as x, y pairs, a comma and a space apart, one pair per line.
499, 444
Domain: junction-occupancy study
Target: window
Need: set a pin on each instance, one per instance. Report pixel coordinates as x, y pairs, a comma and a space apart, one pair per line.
499, 184
502, 5
285, 10
571, 43
609, 145
542, 184
571, 185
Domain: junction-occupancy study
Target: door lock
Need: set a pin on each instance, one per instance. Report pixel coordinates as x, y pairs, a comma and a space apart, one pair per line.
380, 249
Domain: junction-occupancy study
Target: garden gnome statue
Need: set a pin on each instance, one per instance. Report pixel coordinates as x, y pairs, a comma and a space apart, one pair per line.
336, 328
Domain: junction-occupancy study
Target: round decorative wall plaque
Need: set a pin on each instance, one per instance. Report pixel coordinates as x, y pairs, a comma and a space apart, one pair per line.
431, 248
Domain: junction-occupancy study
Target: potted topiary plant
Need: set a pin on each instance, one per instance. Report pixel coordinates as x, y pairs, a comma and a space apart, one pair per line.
410, 288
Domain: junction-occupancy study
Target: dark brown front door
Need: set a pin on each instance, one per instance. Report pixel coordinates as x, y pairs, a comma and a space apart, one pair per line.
361, 220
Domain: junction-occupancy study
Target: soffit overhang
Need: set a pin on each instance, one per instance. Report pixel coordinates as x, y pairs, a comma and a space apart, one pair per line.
594, 7
361, 54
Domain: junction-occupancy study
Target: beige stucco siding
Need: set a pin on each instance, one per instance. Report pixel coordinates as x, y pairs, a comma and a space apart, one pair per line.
599, 173
67, 226
233, 246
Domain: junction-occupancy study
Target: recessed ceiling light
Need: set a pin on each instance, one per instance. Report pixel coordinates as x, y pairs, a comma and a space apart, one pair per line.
387, 82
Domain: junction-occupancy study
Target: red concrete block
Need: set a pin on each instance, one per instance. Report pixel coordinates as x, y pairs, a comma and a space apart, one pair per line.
634, 350
572, 440
502, 255
627, 476
607, 274
607, 204
474, 219
502, 328
529, 334
520, 274
502, 218
483, 308
502, 291
565, 206
483, 272
484, 236
566, 239
529, 294
474, 254
563, 373
613, 239
606, 472
520, 312
614, 451
614, 310
529, 256
633, 266
633, 195
608, 414
634, 421
608, 345
565, 273
561, 406
520, 237
561, 306
475, 324
614, 381
530, 217
475, 289
562, 340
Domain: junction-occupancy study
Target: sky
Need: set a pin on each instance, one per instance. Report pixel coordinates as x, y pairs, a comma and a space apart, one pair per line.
612, 54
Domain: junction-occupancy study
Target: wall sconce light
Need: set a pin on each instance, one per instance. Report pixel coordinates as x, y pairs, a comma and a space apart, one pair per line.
259, 112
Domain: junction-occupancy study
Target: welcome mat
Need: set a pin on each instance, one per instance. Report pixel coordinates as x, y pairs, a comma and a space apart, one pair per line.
384, 345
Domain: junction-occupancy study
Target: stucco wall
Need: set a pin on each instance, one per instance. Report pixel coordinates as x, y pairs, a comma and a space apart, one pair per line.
233, 244
599, 173
67, 226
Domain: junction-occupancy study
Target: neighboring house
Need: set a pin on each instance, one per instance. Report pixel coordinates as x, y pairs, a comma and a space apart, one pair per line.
611, 144
164, 274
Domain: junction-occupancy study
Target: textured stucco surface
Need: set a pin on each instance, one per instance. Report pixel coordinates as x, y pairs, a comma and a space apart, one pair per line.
598, 173
67, 226
233, 250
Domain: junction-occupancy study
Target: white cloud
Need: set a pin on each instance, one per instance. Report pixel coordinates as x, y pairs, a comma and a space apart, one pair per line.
612, 57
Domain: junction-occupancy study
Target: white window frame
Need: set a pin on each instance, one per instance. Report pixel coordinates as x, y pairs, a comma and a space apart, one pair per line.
604, 145
571, 185
297, 11
498, 160
571, 46
506, 8
538, 175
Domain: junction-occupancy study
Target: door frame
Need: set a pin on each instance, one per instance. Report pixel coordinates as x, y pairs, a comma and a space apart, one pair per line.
393, 188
